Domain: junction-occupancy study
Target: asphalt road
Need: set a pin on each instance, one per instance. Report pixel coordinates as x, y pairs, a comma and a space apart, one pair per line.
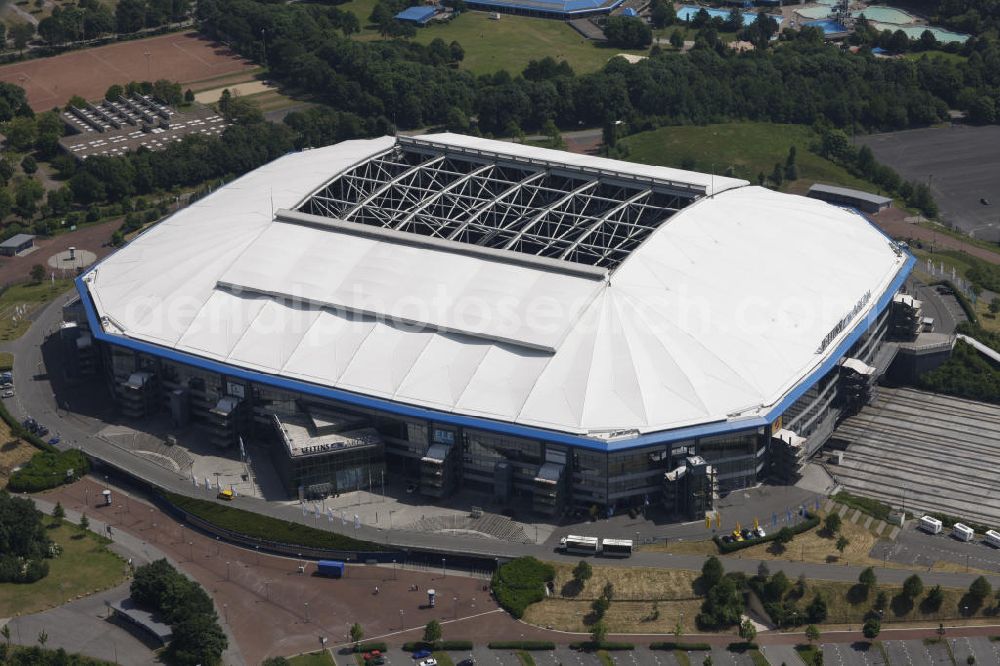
962, 164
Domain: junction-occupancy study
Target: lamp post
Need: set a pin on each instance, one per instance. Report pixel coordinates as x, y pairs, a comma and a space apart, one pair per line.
307, 611
443, 571
401, 625
227, 570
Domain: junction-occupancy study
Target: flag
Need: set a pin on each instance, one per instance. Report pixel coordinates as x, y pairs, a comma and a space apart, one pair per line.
756, 524
329, 515
718, 520
817, 503
708, 521
243, 451
789, 517
343, 518
194, 480
774, 519
357, 522
208, 483
315, 512
303, 509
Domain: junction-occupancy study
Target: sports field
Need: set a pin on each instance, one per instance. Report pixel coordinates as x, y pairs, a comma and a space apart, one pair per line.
181, 57
750, 148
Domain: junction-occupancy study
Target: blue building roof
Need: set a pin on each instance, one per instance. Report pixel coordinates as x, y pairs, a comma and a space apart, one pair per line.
419, 15
629, 12
550, 7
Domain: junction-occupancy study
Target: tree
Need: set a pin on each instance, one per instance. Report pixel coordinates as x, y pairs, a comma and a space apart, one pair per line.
5, 632
84, 523
881, 601
599, 632
582, 572
21, 133
29, 165
777, 586
995, 305
777, 175
934, 598
867, 578
842, 544
22, 34
707, 661
712, 572
677, 39
913, 587
763, 571
609, 591
197, 639
832, 523
748, 631
980, 589
784, 536
812, 634
628, 32
662, 13
58, 511
432, 632
37, 273
600, 606
43, 638
357, 633
816, 611
871, 628
113, 92
188, 96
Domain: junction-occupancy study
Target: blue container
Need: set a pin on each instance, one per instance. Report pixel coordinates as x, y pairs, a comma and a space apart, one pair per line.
331, 568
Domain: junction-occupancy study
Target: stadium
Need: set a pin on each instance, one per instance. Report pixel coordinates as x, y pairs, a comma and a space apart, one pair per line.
557, 9
556, 330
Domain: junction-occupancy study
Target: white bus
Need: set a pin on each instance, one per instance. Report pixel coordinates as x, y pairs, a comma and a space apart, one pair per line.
993, 538
962, 532
580, 544
930, 525
617, 547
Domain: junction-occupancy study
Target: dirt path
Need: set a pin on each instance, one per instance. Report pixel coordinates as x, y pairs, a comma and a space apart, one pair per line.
892, 221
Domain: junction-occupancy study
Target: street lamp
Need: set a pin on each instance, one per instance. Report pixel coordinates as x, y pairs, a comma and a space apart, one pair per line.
443, 572
227, 570
307, 611
225, 612
454, 609
401, 625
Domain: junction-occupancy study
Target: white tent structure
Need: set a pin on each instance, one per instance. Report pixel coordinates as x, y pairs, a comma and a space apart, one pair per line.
507, 283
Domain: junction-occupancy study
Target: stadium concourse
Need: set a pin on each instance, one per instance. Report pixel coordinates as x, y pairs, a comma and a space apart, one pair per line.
555, 332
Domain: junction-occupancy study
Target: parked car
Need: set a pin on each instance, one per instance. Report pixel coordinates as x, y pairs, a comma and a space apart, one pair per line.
726, 538
421, 654
42, 431
467, 662
54, 440
429, 662
984, 201
761, 533
9, 393
374, 654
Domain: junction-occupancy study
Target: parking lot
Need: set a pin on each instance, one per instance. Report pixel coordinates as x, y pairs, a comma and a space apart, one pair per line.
913, 546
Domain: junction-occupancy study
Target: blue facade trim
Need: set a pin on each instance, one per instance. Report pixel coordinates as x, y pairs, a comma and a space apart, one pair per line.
511, 429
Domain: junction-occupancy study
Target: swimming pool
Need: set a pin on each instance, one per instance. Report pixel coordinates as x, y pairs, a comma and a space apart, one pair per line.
813, 12
914, 32
828, 26
688, 12
885, 15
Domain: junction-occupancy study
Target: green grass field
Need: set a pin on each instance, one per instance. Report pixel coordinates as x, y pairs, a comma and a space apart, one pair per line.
84, 567
321, 658
508, 43
749, 147
33, 296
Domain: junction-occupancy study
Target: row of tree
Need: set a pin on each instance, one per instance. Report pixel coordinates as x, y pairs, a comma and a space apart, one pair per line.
24, 545
800, 82
186, 607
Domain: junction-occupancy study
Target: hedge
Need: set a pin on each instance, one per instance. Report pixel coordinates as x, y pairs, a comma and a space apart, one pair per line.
368, 647
21, 432
962, 299
872, 507
519, 583
413, 646
811, 521
677, 645
601, 645
522, 645
741, 646
48, 469
266, 528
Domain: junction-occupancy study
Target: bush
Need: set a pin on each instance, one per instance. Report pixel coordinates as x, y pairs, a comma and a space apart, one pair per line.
521, 645
811, 521
602, 645
48, 469
368, 647
874, 508
519, 583
413, 646
265, 528
677, 645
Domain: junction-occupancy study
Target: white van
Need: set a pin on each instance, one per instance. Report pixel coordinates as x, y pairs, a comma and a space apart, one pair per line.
993, 538
930, 525
962, 532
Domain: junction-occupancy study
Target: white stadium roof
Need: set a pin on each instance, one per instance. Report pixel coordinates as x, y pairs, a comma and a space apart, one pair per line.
503, 281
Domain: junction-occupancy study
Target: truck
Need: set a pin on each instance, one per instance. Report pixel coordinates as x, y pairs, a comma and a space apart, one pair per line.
962, 532
930, 525
330, 568
583, 545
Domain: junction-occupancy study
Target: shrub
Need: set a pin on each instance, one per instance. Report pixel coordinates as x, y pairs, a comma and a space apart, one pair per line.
368, 647
265, 528
519, 583
48, 469
811, 521
602, 645
678, 645
413, 646
521, 645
